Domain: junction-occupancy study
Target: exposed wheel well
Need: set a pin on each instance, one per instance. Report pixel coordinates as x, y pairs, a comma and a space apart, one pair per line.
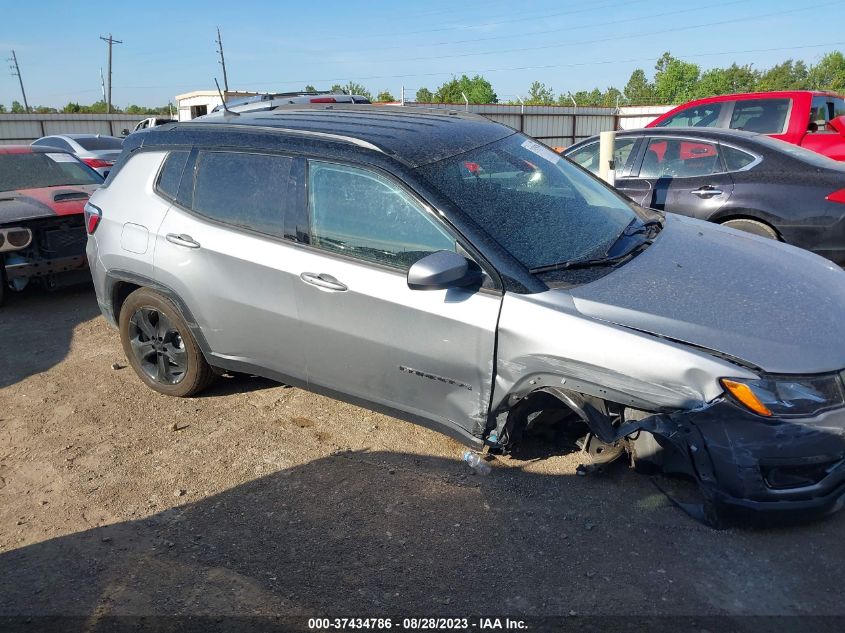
120, 291
744, 215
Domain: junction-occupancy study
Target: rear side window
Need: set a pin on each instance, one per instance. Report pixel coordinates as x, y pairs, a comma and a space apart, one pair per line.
244, 190
358, 213
680, 158
824, 109
171, 174
98, 143
766, 116
706, 115
736, 159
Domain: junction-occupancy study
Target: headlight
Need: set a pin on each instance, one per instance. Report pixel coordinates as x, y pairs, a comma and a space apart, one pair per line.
787, 395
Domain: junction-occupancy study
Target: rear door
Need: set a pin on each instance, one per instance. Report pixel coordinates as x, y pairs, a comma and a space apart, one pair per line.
427, 353
222, 249
681, 175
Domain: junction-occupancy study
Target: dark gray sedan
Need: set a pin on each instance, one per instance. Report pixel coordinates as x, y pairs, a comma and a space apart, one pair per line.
744, 180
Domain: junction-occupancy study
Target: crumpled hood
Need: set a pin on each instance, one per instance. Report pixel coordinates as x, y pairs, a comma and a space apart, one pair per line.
43, 202
772, 305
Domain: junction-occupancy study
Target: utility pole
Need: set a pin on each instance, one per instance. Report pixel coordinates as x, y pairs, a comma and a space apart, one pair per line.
110, 40
222, 60
16, 72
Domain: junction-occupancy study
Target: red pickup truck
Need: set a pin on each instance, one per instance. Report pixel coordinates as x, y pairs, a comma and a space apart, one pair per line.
811, 119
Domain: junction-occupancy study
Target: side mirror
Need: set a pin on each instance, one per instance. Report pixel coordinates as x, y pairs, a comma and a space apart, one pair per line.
441, 270
838, 124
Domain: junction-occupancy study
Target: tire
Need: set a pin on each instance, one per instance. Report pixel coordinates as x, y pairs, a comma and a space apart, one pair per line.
752, 226
160, 347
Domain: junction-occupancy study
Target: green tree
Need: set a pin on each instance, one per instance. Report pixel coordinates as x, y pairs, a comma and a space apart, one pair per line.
72, 108
424, 95
829, 73
44, 110
723, 81
788, 75
675, 80
2, 109
539, 94
136, 109
356, 89
336, 88
639, 90
584, 98
477, 90
17, 108
384, 96
612, 96
310, 88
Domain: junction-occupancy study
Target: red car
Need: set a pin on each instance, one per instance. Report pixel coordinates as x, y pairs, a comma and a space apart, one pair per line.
815, 120
42, 229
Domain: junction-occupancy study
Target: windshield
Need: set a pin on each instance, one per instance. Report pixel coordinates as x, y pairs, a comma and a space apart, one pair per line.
32, 171
95, 143
540, 207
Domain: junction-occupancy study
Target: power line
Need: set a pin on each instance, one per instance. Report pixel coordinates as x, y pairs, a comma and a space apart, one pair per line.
603, 23
110, 41
544, 66
605, 39
16, 72
222, 60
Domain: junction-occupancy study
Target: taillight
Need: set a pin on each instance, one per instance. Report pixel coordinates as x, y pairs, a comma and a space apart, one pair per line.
93, 215
837, 196
323, 100
94, 163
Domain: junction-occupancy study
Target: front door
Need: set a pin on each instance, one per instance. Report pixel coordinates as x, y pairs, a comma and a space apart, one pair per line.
427, 353
685, 176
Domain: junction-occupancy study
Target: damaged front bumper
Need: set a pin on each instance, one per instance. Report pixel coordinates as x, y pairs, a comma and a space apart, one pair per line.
748, 467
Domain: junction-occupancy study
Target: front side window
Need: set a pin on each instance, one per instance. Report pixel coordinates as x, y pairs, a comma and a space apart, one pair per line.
680, 158
588, 156
359, 213
765, 116
696, 116
537, 205
244, 190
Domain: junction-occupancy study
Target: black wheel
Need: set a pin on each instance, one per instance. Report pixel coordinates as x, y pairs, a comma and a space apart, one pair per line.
752, 226
159, 346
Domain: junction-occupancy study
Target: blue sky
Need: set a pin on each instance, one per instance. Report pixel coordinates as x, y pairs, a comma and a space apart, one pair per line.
281, 45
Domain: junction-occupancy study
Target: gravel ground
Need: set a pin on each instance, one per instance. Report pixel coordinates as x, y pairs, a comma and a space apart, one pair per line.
257, 498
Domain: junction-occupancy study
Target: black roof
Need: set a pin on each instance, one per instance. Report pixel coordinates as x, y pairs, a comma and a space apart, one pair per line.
415, 136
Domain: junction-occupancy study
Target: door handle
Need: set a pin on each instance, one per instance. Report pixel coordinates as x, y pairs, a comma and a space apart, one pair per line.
708, 191
182, 240
322, 280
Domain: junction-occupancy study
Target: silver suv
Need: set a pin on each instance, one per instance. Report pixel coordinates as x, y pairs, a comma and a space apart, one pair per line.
450, 271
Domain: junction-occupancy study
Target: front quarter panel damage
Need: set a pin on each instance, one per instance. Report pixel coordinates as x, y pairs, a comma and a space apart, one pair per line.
544, 341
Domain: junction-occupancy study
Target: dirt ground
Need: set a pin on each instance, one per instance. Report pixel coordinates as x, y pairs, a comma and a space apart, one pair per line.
257, 498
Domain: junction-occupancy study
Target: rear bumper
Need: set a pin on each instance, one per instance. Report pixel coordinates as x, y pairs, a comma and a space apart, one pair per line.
750, 468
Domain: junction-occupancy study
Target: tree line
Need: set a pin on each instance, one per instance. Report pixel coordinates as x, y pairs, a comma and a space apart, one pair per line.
98, 107
673, 81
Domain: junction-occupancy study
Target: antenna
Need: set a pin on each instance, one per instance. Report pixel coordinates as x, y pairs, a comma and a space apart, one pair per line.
225, 107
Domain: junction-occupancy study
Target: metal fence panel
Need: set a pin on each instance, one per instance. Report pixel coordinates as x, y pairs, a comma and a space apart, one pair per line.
25, 128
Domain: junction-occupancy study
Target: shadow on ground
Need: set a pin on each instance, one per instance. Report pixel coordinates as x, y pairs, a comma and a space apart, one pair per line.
369, 533
33, 337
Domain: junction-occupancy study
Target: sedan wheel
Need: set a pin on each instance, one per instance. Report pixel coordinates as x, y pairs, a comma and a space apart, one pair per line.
752, 226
